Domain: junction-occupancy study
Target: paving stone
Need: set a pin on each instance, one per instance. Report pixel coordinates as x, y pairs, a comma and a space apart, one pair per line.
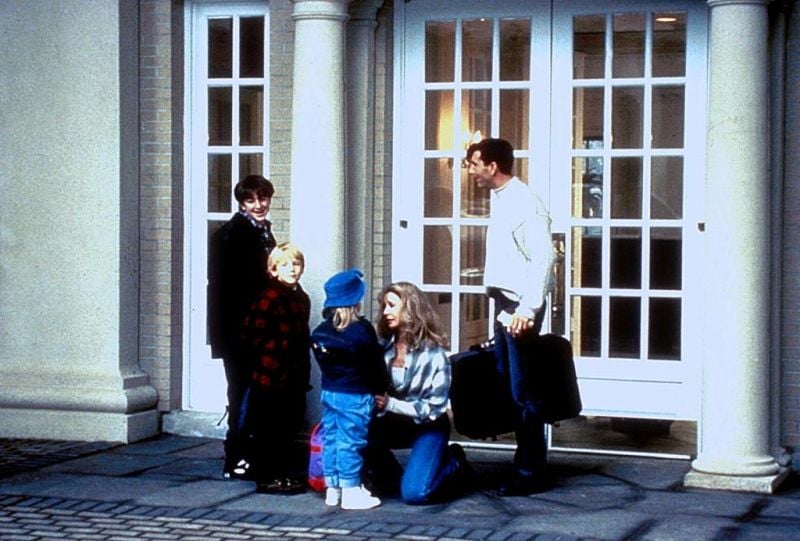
96, 487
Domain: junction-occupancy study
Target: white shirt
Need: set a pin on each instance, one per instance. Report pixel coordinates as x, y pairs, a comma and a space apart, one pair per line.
519, 249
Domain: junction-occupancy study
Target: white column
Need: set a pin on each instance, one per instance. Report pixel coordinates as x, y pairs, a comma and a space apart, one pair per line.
360, 84
734, 424
318, 195
69, 239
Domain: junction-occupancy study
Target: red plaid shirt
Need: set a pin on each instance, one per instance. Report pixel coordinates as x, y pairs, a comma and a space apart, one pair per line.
276, 337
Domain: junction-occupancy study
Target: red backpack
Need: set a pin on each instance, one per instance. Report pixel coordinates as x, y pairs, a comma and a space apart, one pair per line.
316, 478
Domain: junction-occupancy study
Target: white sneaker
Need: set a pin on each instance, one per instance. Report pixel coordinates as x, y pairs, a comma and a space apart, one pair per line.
358, 498
333, 496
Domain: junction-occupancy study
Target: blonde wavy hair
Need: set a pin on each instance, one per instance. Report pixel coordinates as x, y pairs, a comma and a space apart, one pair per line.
343, 316
420, 325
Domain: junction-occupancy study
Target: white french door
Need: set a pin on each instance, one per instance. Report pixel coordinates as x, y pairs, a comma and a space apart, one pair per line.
604, 104
228, 125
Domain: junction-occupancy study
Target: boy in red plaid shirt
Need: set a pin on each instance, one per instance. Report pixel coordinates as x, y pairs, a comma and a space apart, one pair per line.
276, 339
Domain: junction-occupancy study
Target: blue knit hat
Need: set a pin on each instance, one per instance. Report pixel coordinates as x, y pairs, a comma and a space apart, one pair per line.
345, 288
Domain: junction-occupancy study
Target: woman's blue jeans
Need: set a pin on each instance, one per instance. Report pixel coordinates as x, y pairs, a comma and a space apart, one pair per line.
430, 467
345, 422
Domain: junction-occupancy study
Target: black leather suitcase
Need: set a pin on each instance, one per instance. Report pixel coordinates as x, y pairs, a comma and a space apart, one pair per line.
481, 403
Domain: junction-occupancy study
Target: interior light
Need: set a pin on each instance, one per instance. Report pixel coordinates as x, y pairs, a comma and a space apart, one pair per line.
666, 19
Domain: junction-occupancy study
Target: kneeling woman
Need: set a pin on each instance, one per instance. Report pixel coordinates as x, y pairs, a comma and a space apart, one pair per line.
413, 414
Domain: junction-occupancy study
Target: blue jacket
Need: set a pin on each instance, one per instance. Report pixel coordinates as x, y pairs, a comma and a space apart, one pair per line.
351, 360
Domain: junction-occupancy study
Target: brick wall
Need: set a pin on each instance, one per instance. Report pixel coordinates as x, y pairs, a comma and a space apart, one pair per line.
790, 311
161, 196
382, 189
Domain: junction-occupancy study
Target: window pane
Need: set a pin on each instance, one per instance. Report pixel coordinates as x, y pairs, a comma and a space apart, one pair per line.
666, 257
668, 109
624, 327
474, 319
251, 115
219, 116
520, 169
669, 44
589, 47
474, 201
587, 257
515, 49
220, 48
586, 325
473, 254
251, 164
476, 110
514, 114
437, 252
439, 119
628, 56
587, 187
626, 257
438, 188
666, 197
665, 329
440, 39
587, 111
476, 64
627, 109
219, 183
251, 51
442, 304
626, 187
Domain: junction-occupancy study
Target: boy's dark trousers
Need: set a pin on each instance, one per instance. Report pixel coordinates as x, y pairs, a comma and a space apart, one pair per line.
238, 375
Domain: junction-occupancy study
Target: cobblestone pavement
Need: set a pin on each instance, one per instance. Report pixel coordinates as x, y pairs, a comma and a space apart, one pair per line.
169, 488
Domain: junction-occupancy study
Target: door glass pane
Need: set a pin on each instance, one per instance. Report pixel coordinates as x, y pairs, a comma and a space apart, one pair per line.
439, 120
219, 116
442, 304
666, 187
626, 187
665, 329
627, 119
251, 164
438, 187
476, 64
437, 254
251, 115
251, 48
585, 325
219, 183
220, 48
669, 44
588, 46
515, 49
626, 257
514, 115
474, 318
473, 254
587, 128
628, 57
587, 257
440, 51
476, 111
668, 108
624, 327
520, 169
587, 187
666, 258
474, 200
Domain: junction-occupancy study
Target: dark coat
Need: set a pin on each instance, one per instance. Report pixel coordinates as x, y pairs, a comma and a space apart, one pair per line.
351, 360
275, 338
237, 271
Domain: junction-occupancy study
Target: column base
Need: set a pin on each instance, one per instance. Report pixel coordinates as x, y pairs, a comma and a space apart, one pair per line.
763, 484
78, 425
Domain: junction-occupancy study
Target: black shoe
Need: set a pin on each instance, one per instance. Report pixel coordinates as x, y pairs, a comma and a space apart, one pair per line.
524, 485
465, 474
283, 486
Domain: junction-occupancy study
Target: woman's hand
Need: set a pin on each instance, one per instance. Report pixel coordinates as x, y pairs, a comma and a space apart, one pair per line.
381, 400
